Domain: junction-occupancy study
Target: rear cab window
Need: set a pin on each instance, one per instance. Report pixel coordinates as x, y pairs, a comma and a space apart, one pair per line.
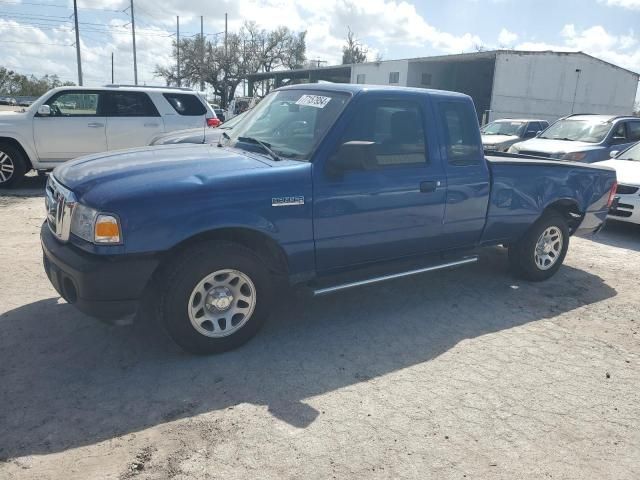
185, 104
460, 125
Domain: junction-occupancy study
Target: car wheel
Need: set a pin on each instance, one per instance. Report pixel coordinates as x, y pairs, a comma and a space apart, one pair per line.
540, 253
12, 166
215, 297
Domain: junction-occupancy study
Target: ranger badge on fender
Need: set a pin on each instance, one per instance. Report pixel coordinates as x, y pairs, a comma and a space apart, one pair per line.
287, 201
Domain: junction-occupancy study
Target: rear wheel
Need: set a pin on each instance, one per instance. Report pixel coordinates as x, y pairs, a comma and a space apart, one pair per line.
12, 165
215, 297
540, 253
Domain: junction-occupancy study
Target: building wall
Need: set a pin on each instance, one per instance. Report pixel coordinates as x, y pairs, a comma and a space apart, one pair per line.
472, 76
543, 85
378, 73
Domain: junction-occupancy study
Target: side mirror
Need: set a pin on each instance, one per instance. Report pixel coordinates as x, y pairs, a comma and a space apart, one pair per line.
538, 133
613, 153
353, 155
44, 110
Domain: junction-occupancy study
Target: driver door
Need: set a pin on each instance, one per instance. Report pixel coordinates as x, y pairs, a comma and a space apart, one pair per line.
76, 126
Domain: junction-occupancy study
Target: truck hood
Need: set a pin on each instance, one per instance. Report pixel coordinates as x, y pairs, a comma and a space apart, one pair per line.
134, 170
555, 146
496, 139
627, 171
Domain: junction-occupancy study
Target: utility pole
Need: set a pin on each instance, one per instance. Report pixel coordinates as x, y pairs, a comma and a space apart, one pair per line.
75, 19
112, 80
133, 34
202, 46
178, 49
225, 96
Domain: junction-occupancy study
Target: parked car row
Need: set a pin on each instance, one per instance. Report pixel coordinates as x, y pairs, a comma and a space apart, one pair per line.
582, 138
4, 100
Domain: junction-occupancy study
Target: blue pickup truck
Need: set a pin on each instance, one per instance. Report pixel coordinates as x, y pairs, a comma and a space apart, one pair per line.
327, 186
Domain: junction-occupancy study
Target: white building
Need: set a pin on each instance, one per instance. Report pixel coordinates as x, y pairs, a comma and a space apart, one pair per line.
512, 84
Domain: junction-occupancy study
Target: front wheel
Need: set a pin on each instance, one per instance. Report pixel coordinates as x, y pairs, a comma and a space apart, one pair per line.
214, 297
540, 253
12, 166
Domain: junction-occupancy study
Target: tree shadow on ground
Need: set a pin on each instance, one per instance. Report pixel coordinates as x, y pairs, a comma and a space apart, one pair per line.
69, 381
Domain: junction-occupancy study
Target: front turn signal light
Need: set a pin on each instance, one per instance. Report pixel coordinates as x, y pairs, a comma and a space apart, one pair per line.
107, 229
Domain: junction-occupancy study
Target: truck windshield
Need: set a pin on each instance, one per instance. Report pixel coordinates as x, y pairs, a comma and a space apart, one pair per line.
578, 130
503, 128
290, 122
632, 154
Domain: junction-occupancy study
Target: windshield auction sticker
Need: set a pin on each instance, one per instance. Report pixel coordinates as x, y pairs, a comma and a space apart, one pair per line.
317, 101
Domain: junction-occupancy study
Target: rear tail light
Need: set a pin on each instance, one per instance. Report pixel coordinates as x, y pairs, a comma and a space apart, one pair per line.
612, 194
213, 122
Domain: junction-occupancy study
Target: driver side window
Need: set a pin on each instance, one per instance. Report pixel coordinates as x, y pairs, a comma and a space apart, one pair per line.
396, 128
74, 104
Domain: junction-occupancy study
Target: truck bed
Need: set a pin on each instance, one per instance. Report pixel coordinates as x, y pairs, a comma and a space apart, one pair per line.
523, 187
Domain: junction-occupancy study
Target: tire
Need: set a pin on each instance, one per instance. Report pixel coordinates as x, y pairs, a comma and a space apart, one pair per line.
13, 166
239, 290
539, 254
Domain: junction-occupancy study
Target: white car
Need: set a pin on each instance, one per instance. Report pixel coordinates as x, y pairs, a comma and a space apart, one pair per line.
499, 135
626, 203
68, 122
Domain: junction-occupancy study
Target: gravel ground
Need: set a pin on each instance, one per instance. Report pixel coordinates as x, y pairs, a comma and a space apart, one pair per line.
462, 374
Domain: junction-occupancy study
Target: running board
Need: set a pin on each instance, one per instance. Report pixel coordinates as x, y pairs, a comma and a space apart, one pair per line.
326, 291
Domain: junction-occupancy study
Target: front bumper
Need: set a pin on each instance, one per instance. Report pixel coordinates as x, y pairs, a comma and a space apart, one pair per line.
626, 208
106, 287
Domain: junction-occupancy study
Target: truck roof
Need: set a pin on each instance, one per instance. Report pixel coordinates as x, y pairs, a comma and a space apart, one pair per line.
356, 88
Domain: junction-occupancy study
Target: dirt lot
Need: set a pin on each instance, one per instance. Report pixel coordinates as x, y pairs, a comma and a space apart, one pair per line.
463, 374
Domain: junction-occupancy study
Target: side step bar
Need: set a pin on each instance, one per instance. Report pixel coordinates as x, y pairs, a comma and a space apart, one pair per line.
326, 291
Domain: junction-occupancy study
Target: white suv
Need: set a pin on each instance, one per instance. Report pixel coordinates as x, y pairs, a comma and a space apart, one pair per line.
68, 122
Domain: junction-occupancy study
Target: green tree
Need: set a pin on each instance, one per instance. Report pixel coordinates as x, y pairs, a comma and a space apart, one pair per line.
248, 51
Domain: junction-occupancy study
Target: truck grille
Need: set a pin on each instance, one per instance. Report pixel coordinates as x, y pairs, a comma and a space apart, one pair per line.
59, 202
626, 189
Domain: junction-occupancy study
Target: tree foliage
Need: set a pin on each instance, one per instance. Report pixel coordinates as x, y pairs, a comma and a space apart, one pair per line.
353, 51
16, 84
248, 51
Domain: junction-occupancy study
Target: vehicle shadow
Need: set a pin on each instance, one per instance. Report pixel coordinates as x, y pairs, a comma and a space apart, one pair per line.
620, 234
70, 381
32, 185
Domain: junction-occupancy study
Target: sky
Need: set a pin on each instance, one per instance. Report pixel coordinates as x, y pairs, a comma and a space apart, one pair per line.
36, 36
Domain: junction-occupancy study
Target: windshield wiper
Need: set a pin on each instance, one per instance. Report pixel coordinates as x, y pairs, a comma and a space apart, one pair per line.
266, 146
566, 139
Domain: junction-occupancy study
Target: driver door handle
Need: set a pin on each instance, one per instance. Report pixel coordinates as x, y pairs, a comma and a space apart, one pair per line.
95, 125
429, 186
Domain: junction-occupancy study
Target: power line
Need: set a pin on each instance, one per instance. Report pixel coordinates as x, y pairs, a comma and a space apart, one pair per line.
37, 43
18, 4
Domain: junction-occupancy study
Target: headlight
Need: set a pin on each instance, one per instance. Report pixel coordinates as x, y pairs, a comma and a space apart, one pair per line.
82, 222
95, 227
575, 156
